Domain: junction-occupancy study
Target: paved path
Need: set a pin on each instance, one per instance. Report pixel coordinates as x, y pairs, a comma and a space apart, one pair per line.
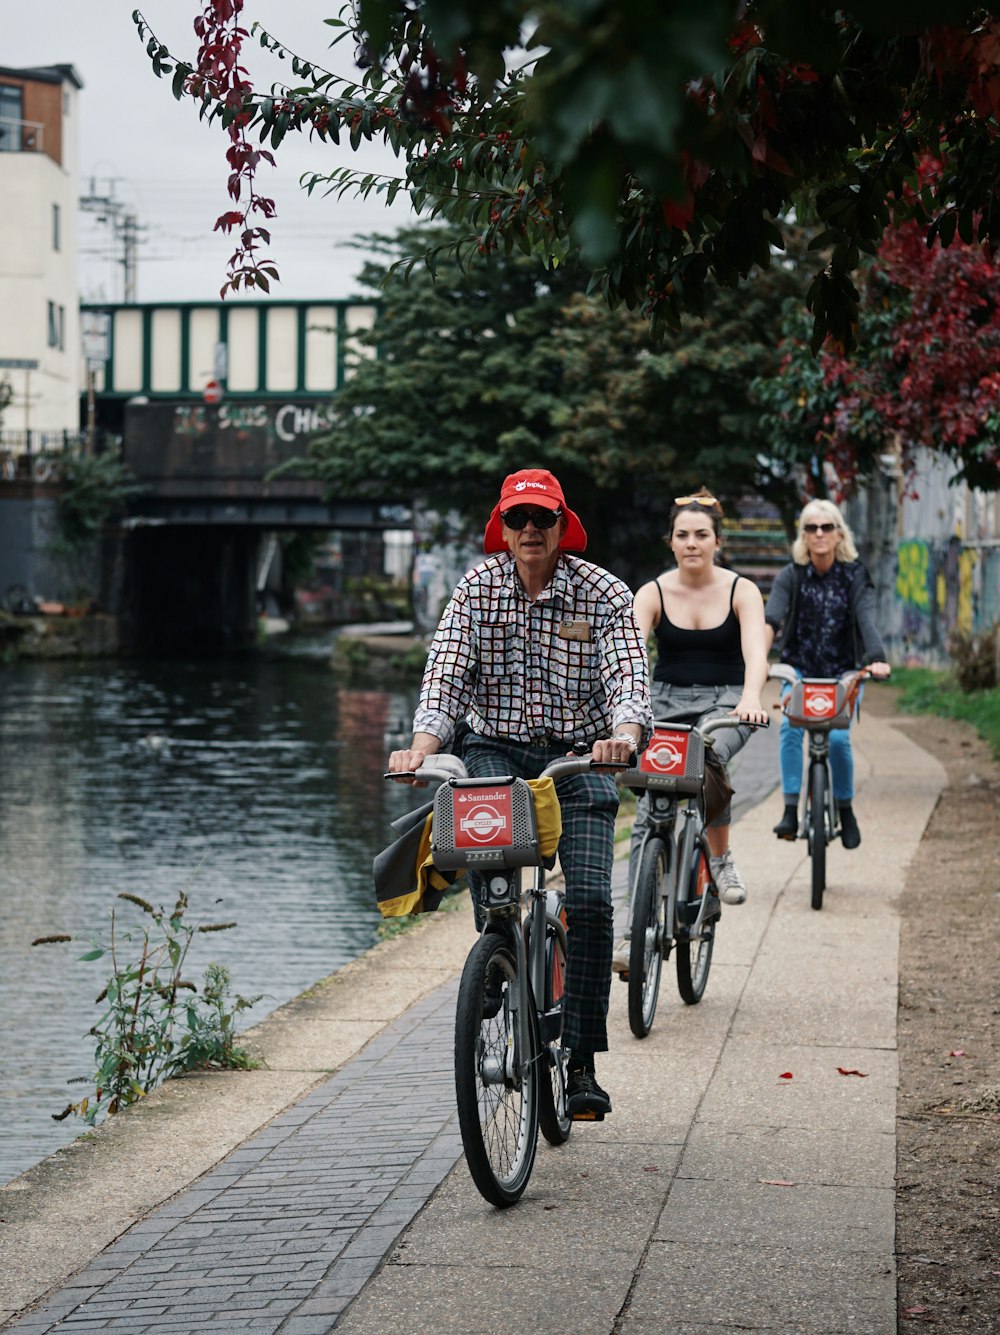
721, 1195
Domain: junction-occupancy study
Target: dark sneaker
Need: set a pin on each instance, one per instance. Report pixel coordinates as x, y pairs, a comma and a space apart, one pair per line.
586, 1101
788, 826
850, 835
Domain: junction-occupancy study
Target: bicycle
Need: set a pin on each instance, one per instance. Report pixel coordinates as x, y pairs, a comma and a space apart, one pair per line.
510, 1066
819, 704
674, 903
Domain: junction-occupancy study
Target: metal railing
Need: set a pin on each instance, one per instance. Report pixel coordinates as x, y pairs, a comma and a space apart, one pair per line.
21, 136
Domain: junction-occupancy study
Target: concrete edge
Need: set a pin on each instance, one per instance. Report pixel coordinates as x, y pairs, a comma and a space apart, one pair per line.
62, 1212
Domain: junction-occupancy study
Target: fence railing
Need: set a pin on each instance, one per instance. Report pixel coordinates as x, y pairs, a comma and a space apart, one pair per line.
21, 136
36, 456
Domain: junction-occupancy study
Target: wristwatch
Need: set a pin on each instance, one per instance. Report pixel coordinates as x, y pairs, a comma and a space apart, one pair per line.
626, 737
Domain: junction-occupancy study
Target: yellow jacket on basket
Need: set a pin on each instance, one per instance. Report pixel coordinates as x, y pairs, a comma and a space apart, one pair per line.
406, 880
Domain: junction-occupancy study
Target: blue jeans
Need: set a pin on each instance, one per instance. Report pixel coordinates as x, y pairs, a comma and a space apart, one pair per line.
790, 755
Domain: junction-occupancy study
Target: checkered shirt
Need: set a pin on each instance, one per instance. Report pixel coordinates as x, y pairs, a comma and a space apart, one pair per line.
498, 658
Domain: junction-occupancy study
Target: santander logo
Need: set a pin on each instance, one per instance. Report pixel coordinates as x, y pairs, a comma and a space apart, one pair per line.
483, 818
820, 702
666, 753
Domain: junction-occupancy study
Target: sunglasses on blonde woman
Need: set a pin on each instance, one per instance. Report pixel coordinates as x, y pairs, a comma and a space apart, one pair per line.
818, 528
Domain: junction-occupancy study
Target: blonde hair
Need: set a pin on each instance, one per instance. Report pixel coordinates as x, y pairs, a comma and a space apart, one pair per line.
845, 549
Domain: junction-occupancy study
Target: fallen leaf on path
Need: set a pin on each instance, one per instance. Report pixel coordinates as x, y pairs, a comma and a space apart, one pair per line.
957, 1052
786, 1075
650, 1169
849, 1070
774, 1182
916, 1311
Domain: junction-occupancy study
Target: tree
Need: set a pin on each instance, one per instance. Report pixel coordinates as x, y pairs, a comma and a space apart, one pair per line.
926, 373
487, 369
664, 145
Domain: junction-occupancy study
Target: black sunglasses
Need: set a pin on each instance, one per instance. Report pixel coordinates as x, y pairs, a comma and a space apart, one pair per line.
818, 528
524, 514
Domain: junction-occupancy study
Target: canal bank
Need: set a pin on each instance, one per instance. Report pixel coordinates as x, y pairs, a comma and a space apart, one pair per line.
61, 1214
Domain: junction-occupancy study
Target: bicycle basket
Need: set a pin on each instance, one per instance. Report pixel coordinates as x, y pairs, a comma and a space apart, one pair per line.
820, 703
673, 762
484, 824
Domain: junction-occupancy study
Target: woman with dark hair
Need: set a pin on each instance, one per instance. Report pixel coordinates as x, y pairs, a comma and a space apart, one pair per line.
822, 611
711, 659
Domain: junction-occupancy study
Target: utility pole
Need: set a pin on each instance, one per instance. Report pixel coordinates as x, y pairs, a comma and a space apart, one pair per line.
126, 231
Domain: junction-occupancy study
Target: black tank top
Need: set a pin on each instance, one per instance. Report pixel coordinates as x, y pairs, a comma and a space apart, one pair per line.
712, 657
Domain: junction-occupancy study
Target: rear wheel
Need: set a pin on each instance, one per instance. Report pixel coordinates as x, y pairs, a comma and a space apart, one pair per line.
646, 954
496, 1084
694, 957
817, 832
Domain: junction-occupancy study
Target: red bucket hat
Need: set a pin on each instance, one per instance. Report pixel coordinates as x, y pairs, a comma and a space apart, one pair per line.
534, 486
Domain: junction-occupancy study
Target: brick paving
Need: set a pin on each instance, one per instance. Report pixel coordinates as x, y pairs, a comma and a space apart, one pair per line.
287, 1230
285, 1233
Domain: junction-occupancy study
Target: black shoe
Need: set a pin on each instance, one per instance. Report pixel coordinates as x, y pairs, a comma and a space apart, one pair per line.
586, 1101
788, 826
850, 835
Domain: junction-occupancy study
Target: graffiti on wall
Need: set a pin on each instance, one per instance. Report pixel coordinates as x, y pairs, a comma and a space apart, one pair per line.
941, 587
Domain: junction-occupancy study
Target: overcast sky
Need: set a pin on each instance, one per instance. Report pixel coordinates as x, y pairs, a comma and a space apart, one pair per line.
155, 156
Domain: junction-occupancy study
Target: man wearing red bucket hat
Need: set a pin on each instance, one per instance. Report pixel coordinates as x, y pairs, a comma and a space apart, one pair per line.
539, 652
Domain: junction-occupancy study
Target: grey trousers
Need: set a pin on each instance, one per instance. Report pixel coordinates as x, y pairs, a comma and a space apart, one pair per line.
691, 705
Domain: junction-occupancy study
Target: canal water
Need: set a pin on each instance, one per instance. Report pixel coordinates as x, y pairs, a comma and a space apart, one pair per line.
253, 784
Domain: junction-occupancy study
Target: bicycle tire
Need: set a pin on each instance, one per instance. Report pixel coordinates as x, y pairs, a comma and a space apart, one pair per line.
817, 833
553, 1118
694, 958
497, 1101
645, 962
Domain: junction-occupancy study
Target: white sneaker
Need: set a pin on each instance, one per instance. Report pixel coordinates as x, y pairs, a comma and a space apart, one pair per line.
729, 883
620, 959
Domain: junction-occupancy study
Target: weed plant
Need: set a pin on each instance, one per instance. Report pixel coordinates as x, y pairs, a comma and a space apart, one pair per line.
156, 1023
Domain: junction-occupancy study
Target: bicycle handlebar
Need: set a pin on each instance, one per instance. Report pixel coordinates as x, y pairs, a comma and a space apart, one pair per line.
783, 672
445, 766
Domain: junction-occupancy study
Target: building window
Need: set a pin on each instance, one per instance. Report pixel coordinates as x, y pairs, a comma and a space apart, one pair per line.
62, 328
56, 238
11, 116
53, 326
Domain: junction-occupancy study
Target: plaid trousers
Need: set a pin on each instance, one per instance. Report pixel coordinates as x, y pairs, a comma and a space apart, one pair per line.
589, 804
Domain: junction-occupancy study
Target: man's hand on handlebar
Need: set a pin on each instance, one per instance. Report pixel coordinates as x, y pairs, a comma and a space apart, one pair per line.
617, 750
405, 762
879, 669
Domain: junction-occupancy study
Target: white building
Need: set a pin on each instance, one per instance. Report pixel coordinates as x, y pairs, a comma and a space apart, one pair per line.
39, 305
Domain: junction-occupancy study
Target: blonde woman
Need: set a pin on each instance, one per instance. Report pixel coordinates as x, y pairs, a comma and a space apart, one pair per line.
821, 611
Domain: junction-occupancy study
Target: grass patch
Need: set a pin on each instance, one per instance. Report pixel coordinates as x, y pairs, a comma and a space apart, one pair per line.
929, 691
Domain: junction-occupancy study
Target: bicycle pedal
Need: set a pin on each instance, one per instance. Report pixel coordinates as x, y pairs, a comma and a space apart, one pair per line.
622, 974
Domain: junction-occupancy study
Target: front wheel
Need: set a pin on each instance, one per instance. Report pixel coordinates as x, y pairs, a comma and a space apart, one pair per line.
646, 952
817, 833
553, 1118
496, 1083
694, 958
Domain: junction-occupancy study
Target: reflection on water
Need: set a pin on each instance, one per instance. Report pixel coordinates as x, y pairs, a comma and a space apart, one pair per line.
256, 784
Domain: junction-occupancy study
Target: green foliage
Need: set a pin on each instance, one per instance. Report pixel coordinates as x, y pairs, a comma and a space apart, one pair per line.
928, 691
489, 369
664, 145
96, 487
155, 1024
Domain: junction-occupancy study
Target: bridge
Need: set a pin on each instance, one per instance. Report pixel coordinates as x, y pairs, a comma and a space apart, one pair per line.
205, 402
